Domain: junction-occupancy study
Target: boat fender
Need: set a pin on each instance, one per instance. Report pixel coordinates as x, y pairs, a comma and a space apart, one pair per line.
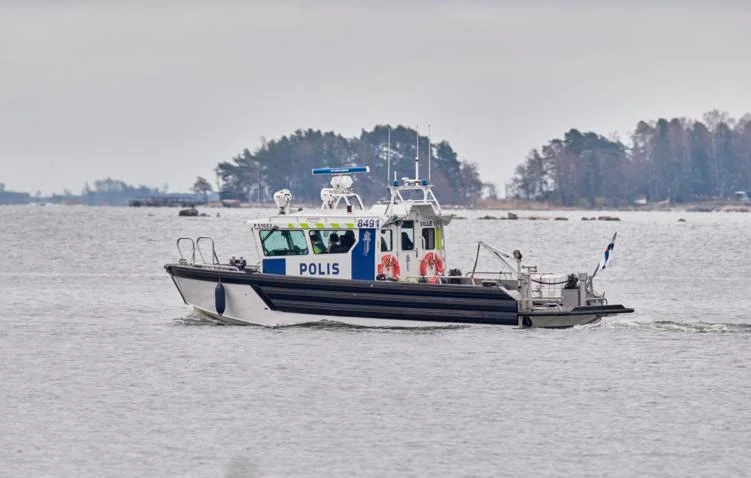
219, 298
526, 321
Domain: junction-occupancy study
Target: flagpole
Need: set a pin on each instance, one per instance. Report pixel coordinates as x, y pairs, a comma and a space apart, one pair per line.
594, 273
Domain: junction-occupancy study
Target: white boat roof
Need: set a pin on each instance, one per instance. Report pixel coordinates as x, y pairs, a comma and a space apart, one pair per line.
343, 208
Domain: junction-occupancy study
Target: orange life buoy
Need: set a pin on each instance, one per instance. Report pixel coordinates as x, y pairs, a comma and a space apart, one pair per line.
389, 266
433, 261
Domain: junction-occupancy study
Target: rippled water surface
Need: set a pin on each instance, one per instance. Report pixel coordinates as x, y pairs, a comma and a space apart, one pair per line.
106, 373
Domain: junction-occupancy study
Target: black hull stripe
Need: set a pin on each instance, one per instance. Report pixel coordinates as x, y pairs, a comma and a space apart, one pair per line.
393, 311
314, 308
381, 299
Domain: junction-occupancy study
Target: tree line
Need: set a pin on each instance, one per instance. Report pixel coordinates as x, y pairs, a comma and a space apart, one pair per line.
287, 162
679, 160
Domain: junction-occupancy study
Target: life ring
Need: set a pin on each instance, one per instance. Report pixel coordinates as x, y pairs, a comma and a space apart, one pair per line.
389, 267
432, 261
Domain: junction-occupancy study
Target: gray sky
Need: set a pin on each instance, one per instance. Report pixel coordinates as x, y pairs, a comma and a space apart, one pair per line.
154, 94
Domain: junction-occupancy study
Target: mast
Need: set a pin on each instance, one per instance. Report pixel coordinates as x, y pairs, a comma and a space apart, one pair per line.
417, 153
388, 159
430, 150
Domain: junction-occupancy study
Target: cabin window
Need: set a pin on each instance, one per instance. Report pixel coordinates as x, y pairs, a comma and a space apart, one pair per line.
337, 241
279, 242
408, 235
387, 240
428, 238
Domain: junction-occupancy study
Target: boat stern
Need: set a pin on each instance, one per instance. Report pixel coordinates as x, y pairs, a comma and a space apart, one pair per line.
555, 301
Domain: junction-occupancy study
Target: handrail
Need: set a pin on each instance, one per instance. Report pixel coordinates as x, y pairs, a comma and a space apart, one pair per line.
193, 252
215, 259
497, 253
491, 273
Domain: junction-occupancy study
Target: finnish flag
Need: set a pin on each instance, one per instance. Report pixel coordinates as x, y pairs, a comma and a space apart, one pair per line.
608, 253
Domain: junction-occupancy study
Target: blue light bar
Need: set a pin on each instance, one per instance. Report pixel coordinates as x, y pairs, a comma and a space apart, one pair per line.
351, 170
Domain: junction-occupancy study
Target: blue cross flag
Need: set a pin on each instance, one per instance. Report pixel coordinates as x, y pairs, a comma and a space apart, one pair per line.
608, 253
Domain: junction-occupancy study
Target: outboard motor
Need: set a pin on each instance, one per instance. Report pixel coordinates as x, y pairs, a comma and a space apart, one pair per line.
572, 282
454, 276
571, 295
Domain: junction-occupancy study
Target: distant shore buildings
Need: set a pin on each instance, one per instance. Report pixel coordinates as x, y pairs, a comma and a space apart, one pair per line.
13, 197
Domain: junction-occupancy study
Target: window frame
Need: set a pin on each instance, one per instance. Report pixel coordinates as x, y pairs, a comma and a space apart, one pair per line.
266, 235
425, 245
390, 241
403, 229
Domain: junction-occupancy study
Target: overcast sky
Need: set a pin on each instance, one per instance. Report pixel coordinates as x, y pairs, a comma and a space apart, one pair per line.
155, 94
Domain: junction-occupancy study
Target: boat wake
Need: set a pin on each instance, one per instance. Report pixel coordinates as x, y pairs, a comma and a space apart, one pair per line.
681, 326
196, 318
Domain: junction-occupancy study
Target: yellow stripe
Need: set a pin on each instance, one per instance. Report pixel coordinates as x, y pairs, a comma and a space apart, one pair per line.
320, 225
334, 225
350, 225
438, 238
291, 226
304, 225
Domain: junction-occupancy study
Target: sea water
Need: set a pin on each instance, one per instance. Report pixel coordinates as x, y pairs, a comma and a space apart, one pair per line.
105, 372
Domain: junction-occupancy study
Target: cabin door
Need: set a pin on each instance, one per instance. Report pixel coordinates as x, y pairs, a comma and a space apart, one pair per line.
397, 259
407, 247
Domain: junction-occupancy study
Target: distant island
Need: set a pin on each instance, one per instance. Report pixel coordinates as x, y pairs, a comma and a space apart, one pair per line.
287, 162
675, 162
665, 163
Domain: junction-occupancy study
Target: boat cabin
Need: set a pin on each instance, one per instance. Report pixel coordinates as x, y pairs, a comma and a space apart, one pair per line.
398, 239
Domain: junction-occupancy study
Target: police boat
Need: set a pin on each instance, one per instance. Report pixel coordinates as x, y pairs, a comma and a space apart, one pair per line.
382, 266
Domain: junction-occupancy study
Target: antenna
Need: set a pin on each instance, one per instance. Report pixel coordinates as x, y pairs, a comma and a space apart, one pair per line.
388, 159
430, 150
258, 192
417, 153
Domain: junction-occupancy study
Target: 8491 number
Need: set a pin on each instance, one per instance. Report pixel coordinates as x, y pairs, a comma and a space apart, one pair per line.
367, 223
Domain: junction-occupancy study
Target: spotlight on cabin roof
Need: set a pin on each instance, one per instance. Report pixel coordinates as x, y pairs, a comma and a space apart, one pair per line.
341, 183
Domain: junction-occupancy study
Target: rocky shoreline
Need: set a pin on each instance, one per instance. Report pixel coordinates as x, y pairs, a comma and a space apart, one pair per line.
706, 206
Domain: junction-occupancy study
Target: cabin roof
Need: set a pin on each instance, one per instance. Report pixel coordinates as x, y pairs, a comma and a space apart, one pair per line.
294, 220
